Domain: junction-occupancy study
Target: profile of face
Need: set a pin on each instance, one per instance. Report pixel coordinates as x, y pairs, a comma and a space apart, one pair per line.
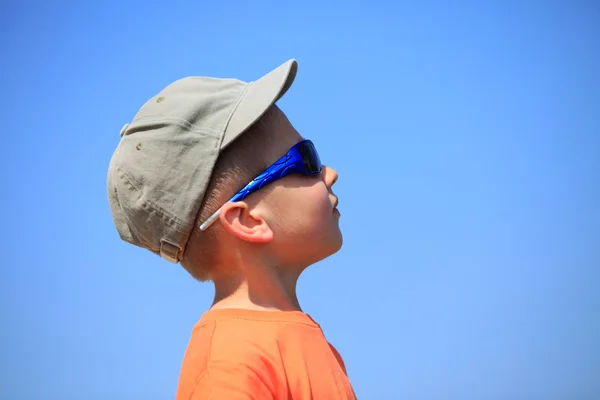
294, 218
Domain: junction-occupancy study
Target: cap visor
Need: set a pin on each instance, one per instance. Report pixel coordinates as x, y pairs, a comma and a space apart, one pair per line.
257, 99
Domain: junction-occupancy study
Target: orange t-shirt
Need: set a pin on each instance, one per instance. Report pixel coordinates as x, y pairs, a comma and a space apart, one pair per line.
245, 354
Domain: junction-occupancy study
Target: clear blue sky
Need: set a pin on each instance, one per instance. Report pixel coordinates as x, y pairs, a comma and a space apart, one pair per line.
467, 138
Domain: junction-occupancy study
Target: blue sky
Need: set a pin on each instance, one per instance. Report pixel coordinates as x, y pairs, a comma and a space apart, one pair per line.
467, 138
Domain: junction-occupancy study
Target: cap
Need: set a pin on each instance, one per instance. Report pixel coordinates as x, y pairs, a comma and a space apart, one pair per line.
161, 168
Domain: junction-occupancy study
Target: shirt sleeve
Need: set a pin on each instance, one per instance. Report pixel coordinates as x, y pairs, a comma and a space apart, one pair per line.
232, 381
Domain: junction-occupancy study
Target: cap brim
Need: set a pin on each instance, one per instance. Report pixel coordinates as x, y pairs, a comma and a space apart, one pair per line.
259, 96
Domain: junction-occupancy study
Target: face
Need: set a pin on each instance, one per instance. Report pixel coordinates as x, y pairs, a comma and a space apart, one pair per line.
300, 210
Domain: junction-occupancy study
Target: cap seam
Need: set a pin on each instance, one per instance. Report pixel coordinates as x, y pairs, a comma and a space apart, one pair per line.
178, 121
235, 107
200, 200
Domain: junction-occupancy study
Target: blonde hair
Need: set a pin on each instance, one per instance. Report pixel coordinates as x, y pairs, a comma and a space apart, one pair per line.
237, 165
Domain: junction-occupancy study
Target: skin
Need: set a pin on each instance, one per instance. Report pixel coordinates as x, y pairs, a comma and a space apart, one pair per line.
276, 233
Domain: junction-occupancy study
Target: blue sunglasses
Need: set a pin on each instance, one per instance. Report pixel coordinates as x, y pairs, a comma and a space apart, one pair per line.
302, 158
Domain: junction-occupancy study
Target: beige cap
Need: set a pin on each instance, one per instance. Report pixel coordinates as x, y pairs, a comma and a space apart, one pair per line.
159, 172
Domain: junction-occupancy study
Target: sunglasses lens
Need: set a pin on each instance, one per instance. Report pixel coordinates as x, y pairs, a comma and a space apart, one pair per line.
312, 162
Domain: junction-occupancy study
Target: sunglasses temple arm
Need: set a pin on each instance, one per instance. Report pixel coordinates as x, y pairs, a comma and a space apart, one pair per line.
211, 220
266, 179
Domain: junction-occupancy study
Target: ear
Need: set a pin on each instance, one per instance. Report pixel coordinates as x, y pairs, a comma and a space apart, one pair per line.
237, 219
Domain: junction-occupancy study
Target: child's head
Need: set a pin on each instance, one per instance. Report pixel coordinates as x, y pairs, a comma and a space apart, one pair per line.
291, 221
196, 144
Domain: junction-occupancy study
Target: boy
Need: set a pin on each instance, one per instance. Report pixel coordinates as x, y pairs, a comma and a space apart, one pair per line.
211, 174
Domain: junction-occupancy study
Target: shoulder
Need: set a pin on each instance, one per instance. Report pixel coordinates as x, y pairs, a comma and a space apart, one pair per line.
244, 344
224, 361
239, 364
234, 354
227, 379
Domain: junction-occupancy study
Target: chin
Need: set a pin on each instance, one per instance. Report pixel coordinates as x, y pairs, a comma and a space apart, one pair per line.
339, 244
338, 238
330, 246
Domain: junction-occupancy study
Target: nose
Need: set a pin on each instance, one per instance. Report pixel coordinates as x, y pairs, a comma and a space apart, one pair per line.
329, 176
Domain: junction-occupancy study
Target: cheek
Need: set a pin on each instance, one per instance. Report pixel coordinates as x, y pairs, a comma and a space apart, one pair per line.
303, 223
299, 210
307, 210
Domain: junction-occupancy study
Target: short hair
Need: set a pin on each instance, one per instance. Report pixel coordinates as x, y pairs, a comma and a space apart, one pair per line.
237, 165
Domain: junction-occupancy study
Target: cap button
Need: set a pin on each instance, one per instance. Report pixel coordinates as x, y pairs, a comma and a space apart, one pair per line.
123, 129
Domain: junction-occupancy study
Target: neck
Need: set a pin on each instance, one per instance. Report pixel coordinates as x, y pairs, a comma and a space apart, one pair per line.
257, 286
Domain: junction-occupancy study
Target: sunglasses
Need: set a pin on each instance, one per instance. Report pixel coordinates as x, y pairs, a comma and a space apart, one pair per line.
302, 159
